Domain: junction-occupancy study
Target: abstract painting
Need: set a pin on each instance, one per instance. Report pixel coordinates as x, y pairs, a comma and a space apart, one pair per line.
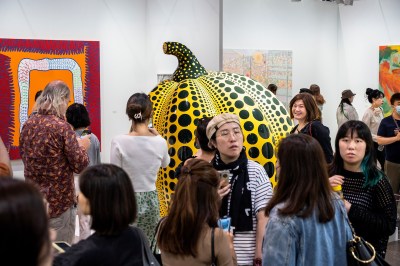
389, 73
26, 66
264, 66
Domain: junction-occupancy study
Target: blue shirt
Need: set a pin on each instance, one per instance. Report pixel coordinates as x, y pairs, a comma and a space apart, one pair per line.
292, 240
386, 130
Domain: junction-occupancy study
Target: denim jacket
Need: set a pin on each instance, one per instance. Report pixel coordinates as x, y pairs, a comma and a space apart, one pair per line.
292, 240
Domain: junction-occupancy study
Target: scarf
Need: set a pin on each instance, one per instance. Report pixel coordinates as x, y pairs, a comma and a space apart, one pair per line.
237, 204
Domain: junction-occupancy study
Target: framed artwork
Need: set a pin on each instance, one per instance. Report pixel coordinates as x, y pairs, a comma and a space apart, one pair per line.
26, 66
389, 73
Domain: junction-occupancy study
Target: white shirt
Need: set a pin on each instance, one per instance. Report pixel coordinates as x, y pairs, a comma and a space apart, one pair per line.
141, 157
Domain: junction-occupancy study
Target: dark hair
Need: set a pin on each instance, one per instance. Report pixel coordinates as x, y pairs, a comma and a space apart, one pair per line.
38, 93
373, 94
111, 198
24, 227
139, 107
201, 135
368, 165
317, 94
195, 204
395, 97
313, 112
305, 90
273, 88
341, 104
77, 115
302, 187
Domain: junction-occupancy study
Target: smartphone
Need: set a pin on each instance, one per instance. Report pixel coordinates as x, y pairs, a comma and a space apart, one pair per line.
86, 132
60, 246
225, 223
224, 175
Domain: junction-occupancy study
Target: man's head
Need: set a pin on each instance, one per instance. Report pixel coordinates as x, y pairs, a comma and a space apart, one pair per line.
55, 97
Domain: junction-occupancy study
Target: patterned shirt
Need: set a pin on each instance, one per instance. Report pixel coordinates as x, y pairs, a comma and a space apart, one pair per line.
51, 154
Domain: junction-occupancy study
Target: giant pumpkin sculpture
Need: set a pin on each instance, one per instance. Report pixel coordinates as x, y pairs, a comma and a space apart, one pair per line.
194, 93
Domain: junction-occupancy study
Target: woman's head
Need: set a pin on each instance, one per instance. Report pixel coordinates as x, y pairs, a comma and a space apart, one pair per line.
108, 196
355, 151
302, 178
78, 116
375, 97
317, 94
195, 204
139, 108
225, 134
23, 224
347, 97
304, 108
55, 97
201, 135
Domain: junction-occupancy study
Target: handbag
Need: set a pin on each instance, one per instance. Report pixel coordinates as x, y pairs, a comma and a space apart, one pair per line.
360, 252
213, 258
147, 256
154, 243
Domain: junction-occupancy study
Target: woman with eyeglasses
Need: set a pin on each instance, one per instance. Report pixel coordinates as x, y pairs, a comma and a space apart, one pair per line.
249, 190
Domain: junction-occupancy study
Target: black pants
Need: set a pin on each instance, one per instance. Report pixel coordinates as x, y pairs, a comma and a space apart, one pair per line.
380, 156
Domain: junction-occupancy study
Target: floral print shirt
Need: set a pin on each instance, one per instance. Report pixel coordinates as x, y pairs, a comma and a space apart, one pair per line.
51, 155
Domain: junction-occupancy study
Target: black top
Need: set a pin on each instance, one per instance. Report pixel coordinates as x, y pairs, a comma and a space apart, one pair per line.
373, 210
321, 133
124, 249
386, 129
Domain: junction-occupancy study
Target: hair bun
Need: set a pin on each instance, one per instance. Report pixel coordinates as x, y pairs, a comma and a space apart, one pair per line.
369, 91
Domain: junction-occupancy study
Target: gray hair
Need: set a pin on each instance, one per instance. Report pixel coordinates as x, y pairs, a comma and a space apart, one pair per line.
53, 97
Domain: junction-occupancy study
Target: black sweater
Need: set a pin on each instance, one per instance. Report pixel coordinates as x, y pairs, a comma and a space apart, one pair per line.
373, 210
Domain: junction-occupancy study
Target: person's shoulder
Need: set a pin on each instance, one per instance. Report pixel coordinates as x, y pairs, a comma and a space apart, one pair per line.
255, 166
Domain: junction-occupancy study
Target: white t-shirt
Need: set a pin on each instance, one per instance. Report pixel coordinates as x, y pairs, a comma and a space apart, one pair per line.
141, 157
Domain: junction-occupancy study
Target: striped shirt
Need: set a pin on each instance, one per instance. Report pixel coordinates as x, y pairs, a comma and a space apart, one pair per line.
261, 192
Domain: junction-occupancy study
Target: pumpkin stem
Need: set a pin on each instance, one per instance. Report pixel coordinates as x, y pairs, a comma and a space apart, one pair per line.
188, 67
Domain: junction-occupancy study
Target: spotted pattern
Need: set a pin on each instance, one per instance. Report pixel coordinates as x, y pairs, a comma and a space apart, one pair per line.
179, 103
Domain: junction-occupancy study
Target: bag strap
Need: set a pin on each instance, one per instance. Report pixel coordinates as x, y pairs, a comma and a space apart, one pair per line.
213, 259
153, 241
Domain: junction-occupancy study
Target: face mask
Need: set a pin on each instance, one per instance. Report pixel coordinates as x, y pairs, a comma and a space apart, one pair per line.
398, 110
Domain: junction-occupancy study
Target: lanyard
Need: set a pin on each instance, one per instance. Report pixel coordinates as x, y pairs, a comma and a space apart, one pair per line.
395, 122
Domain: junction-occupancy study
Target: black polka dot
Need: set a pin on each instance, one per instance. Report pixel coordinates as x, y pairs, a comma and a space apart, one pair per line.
283, 110
252, 138
172, 119
184, 120
194, 98
248, 100
276, 101
172, 129
196, 112
254, 152
263, 131
267, 150
244, 114
248, 126
229, 82
251, 82
227, 89
221, 85
258, 115
183, 85
269, 168
184, 106
239, 104
184, 152
171, 175
233, 95
183, 94
173, 108
231, 109
185, 136
172, 186
259, 87
171, 151
172, 162
281, 120
195, 105
238, 90
172, 140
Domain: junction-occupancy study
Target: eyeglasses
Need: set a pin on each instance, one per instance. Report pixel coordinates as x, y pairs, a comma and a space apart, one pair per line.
226, 133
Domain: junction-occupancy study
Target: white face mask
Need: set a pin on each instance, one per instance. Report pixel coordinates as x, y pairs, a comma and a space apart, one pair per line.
398, 110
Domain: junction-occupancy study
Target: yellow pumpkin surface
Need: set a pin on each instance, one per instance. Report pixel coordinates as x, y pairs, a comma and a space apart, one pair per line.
194, 93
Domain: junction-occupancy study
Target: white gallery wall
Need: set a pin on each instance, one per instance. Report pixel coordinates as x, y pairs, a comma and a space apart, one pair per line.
334, 46
131, 34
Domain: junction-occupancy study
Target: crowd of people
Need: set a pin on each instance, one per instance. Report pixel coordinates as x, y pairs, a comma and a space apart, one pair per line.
302, 221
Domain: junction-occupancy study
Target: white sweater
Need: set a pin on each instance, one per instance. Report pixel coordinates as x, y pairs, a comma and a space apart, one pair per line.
141, 157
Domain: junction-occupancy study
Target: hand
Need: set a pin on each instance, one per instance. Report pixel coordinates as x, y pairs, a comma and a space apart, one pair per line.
85, 141
229, 236
336, 180
153, 131
224, 189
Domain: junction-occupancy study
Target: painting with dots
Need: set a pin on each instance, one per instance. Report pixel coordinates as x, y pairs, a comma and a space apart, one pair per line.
193, 93
26, 66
